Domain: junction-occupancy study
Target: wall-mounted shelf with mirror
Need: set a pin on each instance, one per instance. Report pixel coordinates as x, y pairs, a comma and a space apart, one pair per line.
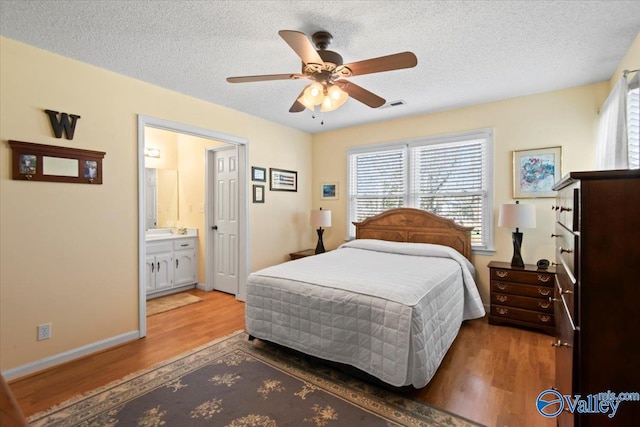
39, 162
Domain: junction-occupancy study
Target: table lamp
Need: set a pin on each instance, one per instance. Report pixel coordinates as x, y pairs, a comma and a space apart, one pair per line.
320, 219
517, 216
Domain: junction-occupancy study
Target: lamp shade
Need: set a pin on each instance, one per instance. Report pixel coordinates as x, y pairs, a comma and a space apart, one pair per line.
313, 95
320, 218
517, 216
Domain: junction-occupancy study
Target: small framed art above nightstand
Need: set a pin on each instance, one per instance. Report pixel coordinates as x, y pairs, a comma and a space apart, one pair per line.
522, 296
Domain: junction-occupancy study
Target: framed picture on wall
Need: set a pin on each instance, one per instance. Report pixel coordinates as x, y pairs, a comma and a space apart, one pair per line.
329, 191
536, 171
258, 174
283, 180
258, 194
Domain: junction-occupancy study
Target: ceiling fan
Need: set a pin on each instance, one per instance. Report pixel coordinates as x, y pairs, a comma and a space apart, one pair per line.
326, 69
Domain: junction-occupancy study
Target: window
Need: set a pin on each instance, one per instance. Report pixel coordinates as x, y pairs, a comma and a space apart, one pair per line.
449, 176
633, 125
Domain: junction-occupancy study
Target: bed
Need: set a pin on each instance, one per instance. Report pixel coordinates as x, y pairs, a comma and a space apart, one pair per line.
389, 303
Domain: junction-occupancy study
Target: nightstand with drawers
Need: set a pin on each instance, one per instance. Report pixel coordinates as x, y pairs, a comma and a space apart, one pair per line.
302, 254
521, 296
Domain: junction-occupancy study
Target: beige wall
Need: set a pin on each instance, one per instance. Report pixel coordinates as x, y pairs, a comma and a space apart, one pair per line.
69, 252
565, 118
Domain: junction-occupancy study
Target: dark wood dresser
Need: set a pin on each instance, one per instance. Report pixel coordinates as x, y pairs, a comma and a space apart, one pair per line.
520, 296
597, 291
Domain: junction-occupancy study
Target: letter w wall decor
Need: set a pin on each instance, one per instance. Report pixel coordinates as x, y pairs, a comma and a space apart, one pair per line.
69, 126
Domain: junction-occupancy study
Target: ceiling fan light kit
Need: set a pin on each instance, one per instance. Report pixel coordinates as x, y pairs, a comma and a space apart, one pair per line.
325, 68
330, 97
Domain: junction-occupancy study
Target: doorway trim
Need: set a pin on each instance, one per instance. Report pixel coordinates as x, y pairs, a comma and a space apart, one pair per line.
243, 202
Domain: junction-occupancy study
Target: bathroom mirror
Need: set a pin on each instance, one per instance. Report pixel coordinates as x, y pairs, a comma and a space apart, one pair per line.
161, 198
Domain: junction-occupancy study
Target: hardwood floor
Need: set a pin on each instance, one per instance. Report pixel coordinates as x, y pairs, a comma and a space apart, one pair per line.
491, 374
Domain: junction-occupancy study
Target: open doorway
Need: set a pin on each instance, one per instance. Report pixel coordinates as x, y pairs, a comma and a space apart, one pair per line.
213, 141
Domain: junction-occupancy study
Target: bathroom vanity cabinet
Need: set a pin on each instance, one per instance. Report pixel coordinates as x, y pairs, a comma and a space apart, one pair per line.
171, 264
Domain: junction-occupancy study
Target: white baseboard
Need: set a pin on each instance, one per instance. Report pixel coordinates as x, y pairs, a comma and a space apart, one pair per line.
66, 356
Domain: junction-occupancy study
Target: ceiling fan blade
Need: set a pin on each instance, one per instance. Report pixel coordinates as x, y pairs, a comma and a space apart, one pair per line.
245, 79
361, 94
301, 44
297, 105
396, 61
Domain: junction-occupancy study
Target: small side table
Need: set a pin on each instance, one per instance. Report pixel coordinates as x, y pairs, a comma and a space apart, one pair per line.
302, 254
522, 296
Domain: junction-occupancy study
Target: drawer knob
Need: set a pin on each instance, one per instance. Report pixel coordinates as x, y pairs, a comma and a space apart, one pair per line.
543, 318
544, 291
502, 298
562, 250
543, 278
502, 273
502, 310
559, 343
502, 286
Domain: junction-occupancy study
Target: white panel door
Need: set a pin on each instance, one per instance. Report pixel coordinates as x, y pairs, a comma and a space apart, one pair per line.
225, 221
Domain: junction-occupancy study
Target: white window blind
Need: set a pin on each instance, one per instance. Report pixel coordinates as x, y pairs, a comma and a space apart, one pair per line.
377, 182
449, 176
449, 180
633, 127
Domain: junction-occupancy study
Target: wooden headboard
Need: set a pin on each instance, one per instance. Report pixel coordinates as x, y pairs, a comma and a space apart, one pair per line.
416, 226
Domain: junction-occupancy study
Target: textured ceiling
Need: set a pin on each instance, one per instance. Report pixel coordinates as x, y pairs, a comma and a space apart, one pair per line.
469, 52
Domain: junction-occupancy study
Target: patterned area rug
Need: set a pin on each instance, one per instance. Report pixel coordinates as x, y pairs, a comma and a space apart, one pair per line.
169, 302
235, 382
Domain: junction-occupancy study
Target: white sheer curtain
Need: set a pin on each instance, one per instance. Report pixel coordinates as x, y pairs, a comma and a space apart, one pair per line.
611, 145
633, 121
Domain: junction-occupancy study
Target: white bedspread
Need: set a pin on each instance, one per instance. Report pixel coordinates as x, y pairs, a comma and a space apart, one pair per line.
390, 309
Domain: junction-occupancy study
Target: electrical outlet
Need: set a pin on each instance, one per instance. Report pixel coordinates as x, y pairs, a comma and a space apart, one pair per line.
44, 331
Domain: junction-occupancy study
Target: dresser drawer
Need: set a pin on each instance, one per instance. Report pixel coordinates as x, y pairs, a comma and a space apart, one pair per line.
520, 289
568, 207
523, 315
537, 304
564, 344
567, 245
566, 290
531, 278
